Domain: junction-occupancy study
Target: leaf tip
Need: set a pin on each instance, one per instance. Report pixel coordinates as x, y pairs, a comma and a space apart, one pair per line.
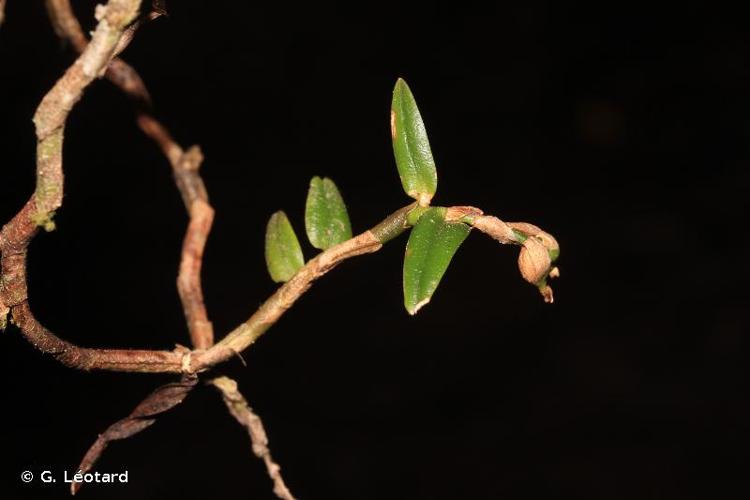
400, 88
419, 305
400, 82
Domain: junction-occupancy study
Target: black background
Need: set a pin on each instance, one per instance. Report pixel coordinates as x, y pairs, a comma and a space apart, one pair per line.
622, 130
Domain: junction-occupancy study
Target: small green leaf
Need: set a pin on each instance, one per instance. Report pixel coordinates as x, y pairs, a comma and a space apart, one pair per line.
283, 253
411, 147
431, 246
326, 220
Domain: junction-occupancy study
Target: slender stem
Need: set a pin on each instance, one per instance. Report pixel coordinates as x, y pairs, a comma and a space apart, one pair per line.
246, 417
248, 332
15, 236
272, 309
236, 341
185, 166
39, 210
394, 224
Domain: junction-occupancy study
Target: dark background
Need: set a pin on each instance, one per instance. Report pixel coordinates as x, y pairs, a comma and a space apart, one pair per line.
622, 130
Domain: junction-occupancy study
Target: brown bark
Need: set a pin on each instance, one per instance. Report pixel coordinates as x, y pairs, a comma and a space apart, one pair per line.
185, 165
161, 400
242, 412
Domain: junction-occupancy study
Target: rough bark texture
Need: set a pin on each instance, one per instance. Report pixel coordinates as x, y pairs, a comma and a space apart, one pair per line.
185, 166
241, 411
15, 236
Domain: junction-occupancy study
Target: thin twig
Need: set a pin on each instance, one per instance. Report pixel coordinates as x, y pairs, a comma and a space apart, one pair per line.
160, 401
185, 166
14, 282
247, 333
15, 236
243, 413
120, 360
2, 11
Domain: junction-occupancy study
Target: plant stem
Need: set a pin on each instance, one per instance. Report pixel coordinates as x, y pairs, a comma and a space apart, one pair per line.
185, 166
272, 309
15, 236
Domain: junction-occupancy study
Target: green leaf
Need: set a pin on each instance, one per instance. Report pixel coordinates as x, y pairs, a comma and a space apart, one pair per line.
431, 246
326, 220
411, 147
283, 253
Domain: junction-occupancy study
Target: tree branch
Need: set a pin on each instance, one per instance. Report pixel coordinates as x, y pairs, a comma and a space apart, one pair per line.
185, 165
120, 360
15, 236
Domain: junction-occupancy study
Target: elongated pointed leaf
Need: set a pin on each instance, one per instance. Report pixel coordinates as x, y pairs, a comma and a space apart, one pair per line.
411, 147
431, 246
283, 253
326, 220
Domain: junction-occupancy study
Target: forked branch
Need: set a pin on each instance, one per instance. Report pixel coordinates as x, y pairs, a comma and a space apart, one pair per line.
185, 167
39, 210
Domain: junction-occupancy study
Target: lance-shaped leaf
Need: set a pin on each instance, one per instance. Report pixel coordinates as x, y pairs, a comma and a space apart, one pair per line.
411, 147
283, 253
431, 246
326, 220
